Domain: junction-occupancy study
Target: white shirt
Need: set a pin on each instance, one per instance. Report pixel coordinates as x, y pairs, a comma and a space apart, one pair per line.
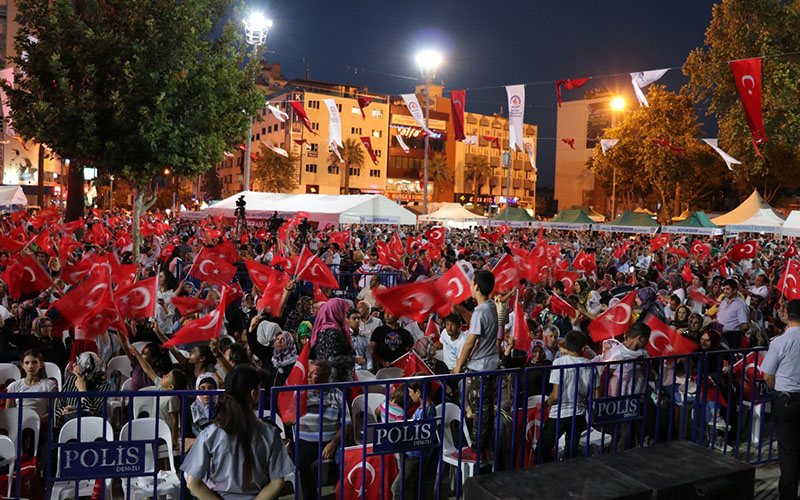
565, 378
451, 349
39, 405
367, 327
632, 374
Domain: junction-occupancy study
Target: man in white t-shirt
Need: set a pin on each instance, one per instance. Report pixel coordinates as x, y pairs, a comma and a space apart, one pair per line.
452, 340
368, 322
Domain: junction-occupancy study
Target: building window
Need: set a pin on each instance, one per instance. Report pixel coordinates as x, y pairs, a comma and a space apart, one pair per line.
314, 126
333, 169
377, 133
264, 130
312, 104
355, 171
339, 107
377, 153
355, 130
283, 125
311, 168
374, 172
355, 110
258, 137
314, 147
377, 113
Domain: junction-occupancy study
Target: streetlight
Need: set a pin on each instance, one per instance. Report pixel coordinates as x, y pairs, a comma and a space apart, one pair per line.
617, 104
256, 27
427, 61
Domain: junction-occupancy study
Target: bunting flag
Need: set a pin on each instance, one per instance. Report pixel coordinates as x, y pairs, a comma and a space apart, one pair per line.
335, 149
401, 142
363, 102
664, 143
493, 140
458, 99
572, 84
277, 113
642, 79
416, 111
334, 124
470, 140
367, 142
516, 113
747, 73
530, 147
274, 148
300, 143
569, 142
728, 159
606, 144
301, 112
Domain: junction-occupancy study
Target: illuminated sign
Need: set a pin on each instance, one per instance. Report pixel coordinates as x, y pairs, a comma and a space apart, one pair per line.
414, 132
409, 121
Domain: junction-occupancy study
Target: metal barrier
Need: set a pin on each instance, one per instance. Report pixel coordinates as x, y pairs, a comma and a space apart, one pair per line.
717, 400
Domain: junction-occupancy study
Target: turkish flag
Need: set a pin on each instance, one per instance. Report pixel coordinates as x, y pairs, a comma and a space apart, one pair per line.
225, 251
411, 363
10, 245
534, 269
138, 300
18, 216
568, 278
313, 270
490, 236
458, 99
366, 474
747, 73
522, 334
585, 262
435, 235
388, 258
614, 321
751, 370
363, 102
415, 300
123, 239
191, 305
680, 252
659, 242
74, 273
746, 250
262, 276
26, 276
790, 252
699, 298
700, 248
493, 140
455, 284
570, 84
432, 330
210, 268
287, 400
412, 243
82, 300
503, 229
367, 142
100, 234
273, 293
19, 234
686, 273
618, 252
46, 216
42, 240
674, 344
517, 249
506, 274
341, 237
561, 306
203, 328
788, 284
395, 245
301, 113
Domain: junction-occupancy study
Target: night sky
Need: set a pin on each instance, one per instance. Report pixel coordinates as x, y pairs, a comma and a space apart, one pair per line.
489, 44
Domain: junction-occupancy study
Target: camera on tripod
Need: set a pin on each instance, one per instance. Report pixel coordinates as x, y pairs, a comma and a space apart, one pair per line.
240, 204
275, 223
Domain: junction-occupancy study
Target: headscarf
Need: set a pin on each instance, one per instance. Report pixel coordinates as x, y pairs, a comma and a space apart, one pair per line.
288, 355
90, 366
583, 296
331, 316
266, 335
648, 297
305, 299
200, 409
36, 326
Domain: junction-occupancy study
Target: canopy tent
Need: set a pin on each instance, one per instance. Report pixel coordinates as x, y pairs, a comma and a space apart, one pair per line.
629, 222
763, 221
695, 223
322, 208
590, 212
746, 210
453, 215
642, 210
12, 195
791, 226
570, 219
517, 217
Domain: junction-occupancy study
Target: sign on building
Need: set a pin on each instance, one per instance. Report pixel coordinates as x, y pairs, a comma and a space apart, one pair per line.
409, 435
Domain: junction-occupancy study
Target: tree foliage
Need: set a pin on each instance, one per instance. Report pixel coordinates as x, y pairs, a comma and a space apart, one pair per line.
353, 157
645, 169
275, 173
212, 185
476, 166
742, 29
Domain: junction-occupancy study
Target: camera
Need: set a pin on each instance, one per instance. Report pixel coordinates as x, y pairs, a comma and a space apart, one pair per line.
275, 223
240, 204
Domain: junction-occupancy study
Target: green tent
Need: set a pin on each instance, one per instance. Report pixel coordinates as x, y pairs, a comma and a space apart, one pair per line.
696, 223
629, 222
572, 216
517, 217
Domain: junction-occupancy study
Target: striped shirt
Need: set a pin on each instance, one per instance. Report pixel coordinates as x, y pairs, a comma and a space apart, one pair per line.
331, 421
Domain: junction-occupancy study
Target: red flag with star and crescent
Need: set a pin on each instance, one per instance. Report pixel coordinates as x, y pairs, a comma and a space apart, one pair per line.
26, 276
366, 473
561, 306
614, 321
435, 235
506, 274
138, 300
415, 300
790, 281
287, 400
659, 242
664, 341
212, 269
455, 284
700, 248
204, 328
363, 102
458, 98
747, 73
568, 278
585, 262
301, 112
312, 269
367, 142
386, 257
744, 250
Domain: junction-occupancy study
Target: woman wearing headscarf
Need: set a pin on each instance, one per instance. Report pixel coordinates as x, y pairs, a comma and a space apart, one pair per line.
41, 340
200, 406
303, 334
88, 375
284, 355
299, 314
330, 339
581, 289
646, 299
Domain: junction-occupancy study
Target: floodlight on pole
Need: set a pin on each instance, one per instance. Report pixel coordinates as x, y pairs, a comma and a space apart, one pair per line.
256, 27
428, 61
617, 103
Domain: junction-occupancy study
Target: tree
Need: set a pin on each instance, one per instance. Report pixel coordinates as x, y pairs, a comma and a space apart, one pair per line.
275, 173
439, 171
476, 166
352, 156
212, 185
644, 167
743, 29
132, 87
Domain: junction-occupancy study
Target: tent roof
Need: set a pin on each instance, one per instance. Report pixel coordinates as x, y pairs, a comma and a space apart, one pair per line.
764, 220
791, 227
643, 210
451, 211
590, 212
572, 216
746, 210
12, 195
696, 219
515, 214
323, 208
633, 219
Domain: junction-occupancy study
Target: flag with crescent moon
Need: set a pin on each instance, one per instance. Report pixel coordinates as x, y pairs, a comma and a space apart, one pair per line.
458, 100
138, 300
788, 285
416, 300
288, 404
570, 84
212, 269
300, 111
366, 474
203, 328
363, 102
664, 341
614, 321
367, 142
747, 73
455, 284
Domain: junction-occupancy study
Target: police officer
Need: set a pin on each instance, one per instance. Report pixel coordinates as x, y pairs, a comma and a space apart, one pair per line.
781, 368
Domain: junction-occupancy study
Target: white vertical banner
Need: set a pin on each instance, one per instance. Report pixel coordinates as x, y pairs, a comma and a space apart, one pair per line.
335, 124
416, 111
516, 113
530, 148
401, 142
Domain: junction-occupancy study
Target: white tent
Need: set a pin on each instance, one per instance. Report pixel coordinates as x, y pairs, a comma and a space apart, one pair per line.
749, 208
791, 226
12, 195
322, 208
763, 221
453, 215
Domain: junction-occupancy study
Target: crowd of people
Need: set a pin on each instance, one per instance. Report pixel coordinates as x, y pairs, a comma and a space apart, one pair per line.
720, 304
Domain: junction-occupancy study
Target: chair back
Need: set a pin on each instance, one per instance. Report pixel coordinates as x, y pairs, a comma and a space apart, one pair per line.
8, 453
9, 422
390, 372
92, 429
144, 429
52, 371
9, 371
121, 363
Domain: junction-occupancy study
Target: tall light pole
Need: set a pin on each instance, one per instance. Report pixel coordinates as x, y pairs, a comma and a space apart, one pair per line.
617, 104
256, 27
427, 61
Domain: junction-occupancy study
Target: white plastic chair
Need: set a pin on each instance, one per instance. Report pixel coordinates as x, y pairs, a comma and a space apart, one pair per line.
92, 429
452, 413
373, 402
52, 371
389, 373
142, 487
8, 455
596, 439
145, 406
364, 375
9, 371
9, 421
121, 363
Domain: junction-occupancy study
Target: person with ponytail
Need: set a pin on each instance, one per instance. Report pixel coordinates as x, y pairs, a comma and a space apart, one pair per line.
243, 456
